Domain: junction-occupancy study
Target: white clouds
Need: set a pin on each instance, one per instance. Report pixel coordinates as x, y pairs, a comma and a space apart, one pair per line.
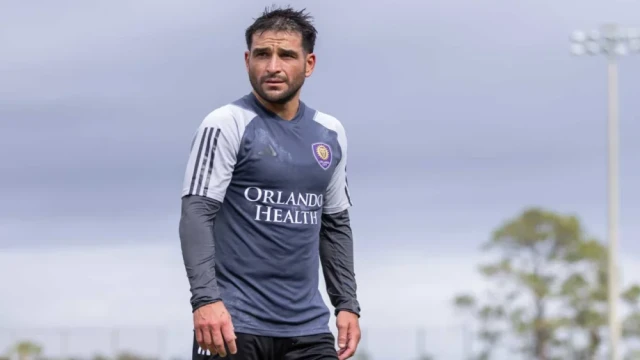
85, 50
470, 132
58, 32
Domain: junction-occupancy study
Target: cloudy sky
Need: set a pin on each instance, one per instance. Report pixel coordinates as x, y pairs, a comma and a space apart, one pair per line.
459, 114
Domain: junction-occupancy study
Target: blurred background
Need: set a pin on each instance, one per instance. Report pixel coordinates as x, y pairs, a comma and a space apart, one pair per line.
478, 168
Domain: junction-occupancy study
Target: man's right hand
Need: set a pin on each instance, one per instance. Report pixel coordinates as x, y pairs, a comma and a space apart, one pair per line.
213, 327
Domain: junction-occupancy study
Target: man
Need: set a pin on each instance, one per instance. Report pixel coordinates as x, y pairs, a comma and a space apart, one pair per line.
270, 173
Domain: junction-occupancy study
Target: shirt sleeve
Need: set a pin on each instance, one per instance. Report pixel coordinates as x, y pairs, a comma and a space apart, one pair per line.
198, 248
210, 166
336, 256
213, 156
338, 198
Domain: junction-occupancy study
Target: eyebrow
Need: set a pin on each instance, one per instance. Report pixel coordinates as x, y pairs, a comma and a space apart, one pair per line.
279, 50
262, 49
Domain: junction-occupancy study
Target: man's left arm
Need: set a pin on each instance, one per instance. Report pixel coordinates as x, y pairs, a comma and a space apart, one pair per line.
336, 254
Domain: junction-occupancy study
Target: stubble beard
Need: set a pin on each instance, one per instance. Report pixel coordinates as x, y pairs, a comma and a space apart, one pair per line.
278, 99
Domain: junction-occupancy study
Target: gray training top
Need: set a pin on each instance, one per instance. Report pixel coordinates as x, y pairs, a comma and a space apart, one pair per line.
277, 181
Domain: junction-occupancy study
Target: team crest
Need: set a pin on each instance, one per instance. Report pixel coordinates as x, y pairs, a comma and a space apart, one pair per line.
322, 153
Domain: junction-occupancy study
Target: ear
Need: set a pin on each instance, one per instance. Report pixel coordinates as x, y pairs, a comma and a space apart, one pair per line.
247, 54
310, 64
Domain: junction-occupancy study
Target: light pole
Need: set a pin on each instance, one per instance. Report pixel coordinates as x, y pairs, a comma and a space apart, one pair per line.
612, 41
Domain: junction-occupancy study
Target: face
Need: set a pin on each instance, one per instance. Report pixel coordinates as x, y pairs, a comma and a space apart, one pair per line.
278, 66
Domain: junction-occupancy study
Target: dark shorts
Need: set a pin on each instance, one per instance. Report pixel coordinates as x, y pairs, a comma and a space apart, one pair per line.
252, 347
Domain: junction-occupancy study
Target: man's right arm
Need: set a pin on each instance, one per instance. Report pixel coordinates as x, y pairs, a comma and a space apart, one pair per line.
209, 169
198, 248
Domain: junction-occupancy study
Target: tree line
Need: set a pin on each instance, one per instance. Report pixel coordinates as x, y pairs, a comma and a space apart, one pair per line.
547, 293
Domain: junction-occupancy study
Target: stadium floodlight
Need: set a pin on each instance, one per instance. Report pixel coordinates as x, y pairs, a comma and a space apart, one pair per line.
613, 41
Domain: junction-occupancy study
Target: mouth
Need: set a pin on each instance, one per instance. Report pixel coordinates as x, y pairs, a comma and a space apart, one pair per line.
274, 82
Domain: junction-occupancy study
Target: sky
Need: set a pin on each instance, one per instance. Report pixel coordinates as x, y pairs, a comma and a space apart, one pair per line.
459, 115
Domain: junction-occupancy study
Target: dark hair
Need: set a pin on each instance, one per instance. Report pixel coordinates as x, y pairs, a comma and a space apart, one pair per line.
285, 19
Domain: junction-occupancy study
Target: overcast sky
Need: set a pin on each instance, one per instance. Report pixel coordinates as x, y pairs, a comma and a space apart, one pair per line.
459, 114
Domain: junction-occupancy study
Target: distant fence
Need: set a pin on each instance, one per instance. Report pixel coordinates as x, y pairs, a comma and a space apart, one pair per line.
163, 343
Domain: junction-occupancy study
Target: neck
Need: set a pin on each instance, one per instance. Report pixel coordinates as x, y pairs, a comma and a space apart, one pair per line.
286, 111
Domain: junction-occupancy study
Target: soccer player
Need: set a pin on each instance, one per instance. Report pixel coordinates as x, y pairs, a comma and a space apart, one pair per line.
264, 203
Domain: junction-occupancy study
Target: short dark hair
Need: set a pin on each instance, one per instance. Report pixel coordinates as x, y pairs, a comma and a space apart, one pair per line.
285, 19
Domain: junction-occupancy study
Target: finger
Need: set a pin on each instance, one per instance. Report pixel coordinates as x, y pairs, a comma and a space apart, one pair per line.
218, 341
352, 346
207, 342
199, 337
346, 353
230, 337
343, 330
353, 337
202, 347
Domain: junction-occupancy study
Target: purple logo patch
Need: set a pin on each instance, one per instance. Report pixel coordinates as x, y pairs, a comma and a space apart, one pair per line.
322, 153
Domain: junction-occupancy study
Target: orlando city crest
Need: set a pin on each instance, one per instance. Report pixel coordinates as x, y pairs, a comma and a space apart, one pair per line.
322, 153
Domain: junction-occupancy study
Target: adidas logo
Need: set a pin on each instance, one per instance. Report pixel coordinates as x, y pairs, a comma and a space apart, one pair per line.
203, 352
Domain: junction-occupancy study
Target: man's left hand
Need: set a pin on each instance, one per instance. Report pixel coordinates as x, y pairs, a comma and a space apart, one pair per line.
348, 334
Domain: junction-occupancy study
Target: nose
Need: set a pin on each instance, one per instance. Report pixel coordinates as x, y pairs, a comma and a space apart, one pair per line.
274, 64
